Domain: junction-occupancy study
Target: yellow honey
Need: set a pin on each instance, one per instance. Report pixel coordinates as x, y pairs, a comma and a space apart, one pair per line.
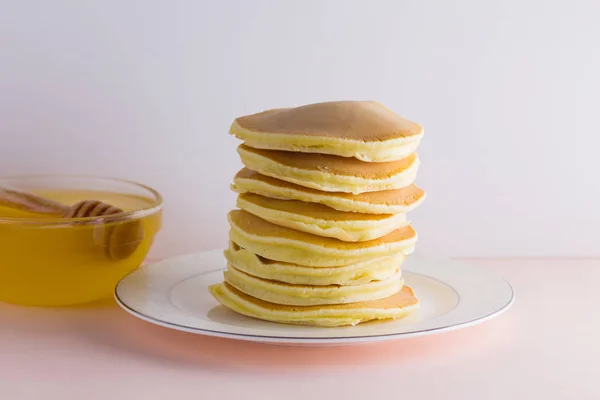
48, 261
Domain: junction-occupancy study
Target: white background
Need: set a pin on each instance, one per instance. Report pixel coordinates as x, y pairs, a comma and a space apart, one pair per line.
508, 93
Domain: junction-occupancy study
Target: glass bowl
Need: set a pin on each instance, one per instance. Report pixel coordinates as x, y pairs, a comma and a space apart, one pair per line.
47, 260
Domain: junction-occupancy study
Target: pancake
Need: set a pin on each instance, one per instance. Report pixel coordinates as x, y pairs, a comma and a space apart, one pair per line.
321, 220
396, 306
288, 245
366, 130
306, 295
331, 173
383, 202
379, 268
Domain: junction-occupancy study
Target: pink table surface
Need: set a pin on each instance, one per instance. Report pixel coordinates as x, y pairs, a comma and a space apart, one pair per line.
546, 346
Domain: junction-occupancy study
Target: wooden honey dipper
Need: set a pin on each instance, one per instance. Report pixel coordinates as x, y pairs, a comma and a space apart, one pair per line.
121, 240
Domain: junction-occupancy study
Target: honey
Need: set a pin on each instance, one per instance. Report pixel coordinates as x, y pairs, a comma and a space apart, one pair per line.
49, 261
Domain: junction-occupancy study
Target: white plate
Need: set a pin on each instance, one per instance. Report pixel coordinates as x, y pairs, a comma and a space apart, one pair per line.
173, 293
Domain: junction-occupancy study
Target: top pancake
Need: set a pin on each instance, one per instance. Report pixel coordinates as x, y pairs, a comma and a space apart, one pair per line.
364, 130
366, 121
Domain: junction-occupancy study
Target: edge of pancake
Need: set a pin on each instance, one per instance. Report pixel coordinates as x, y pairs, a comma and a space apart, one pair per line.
269, 187
373, 269
367, 121
313, 211
346, 230
310, 254
326, 181
324, 316
306, 295
373, 151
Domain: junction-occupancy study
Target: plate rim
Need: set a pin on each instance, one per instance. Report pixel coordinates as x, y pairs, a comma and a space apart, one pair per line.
264, 338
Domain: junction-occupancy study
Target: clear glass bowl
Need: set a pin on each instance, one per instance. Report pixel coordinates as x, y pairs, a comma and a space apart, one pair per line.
46, 260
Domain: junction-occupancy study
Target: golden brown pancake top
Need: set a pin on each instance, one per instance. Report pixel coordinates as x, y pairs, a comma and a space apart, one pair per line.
336, 165
253, 225
404, 196
404, 298
312, 210
367, 121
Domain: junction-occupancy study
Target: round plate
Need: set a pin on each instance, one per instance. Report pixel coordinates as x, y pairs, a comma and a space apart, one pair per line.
174, 293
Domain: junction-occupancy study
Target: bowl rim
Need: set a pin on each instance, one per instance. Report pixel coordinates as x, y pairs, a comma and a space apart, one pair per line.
156, 205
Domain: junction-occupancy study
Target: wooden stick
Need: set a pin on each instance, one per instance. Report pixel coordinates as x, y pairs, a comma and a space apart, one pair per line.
31, 202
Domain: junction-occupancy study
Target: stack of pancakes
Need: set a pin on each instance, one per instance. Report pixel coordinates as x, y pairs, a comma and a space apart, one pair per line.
321, 230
